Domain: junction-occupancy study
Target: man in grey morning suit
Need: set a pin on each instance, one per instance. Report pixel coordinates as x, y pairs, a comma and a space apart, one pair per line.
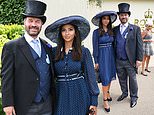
27, 69
129, 54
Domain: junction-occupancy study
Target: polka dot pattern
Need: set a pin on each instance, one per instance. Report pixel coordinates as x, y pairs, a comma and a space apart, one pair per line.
74, 97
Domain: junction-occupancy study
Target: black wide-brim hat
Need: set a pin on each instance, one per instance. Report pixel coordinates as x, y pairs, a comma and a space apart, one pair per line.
52, 31
96, 19
124, 8
35, 9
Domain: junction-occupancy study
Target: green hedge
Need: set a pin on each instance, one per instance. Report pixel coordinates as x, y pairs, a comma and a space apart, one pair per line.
7, 33
11, 11
11, 31
1, 110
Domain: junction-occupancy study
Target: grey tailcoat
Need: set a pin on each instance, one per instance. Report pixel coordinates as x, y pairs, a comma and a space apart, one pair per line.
134, 43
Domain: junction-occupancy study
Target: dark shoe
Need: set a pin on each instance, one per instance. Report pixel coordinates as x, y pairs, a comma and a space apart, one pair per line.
144, 74
147, 70
133, 103
106, 109
109, 99
121, 97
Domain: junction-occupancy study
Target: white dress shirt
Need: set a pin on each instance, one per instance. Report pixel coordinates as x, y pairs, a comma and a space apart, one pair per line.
123, 27
30, 42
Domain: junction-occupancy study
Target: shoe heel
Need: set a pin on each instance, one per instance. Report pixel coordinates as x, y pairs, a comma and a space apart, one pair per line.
106, 109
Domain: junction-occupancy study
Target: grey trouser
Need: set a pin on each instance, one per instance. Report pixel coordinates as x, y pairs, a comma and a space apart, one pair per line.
125, 70
44, 108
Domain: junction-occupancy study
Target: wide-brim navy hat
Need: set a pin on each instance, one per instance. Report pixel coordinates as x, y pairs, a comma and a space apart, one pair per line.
52, 31
124, 8
36, 9
96, 19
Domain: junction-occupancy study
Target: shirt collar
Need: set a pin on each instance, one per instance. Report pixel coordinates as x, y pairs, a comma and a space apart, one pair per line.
125, 25
29, 38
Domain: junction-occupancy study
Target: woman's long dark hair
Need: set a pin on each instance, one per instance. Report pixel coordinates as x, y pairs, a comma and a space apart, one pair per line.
109, 27
76, 51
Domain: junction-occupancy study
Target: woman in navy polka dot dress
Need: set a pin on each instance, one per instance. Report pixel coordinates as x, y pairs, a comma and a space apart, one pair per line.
76, 87
103, 52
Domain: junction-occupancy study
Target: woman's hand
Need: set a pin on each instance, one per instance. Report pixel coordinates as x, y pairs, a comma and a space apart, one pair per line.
138, 63
96, 66
93, 110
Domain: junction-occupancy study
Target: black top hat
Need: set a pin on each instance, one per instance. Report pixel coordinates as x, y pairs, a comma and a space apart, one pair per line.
124, 8
35, 9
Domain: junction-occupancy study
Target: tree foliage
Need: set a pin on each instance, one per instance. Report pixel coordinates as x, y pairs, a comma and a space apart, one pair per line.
96, 2
11, 11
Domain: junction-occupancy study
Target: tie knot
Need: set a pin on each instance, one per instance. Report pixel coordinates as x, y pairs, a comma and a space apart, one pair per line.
35, 41
122, 26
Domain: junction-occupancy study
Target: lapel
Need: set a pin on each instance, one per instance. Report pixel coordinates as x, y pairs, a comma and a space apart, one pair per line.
118, 29
49, 52
46, 49
130, 28
24, 46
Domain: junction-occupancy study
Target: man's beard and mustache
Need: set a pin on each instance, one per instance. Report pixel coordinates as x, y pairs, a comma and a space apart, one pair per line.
33, 31
123, 20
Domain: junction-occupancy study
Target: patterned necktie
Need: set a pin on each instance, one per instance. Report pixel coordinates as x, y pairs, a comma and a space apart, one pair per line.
36, 47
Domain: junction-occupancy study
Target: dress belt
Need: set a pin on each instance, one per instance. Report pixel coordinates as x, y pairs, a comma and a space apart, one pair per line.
69, 77
105, 45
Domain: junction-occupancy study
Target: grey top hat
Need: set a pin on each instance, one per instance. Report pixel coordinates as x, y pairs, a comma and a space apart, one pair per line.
96, 19
52, 31
123, 8
35, 9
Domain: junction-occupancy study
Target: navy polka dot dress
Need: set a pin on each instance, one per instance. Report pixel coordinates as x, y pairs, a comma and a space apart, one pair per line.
103, 53
74, 97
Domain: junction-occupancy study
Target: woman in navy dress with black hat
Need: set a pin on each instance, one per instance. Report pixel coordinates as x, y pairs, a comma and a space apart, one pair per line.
77, 90
103, 52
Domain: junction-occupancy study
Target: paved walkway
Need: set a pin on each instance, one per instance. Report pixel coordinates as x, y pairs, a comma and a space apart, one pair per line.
145, 105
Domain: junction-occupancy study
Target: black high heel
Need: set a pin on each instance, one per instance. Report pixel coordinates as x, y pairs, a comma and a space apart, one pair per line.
144, 74
147, 70
106, 109
109, 99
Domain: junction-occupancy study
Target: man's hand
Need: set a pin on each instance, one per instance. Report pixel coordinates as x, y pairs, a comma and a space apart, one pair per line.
9, 110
